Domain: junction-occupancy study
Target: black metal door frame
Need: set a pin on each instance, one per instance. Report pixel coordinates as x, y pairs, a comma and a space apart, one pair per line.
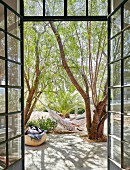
65, 17
117, 142
111, 162
8, 86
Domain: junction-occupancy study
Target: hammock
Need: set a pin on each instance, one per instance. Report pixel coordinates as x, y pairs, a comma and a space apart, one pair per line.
63, 122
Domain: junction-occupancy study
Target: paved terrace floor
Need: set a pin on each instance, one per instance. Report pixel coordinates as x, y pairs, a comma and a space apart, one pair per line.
66, 152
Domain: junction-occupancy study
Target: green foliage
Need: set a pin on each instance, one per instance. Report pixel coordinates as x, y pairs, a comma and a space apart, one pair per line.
80, 111
46, 124
64, 102
96, 7
33, 123
72, 111
45, 110
61, 95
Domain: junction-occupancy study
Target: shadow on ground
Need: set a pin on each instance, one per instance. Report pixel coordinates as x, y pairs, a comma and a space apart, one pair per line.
66, 152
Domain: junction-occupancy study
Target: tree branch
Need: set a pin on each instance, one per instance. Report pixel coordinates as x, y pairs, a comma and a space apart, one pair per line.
27, 81
65, 65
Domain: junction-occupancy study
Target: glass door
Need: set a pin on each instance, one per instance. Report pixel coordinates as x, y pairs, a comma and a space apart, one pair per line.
11, 86
119, 85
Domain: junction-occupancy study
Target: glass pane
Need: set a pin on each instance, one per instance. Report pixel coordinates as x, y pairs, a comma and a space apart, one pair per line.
14, 74
127, 71
127, 127
115, 3
115, 100
13, 49
2, 128
2, 72
14, 150
116, 48
115, 128
1, 16
97, 7
76, 8
14, 97
2, 44
126, 156
115, 150
127, 14
126, 43
2, 100
127, 100
2, 156
116, 23
14, 124
54, 8
33, 7
15, 4
116, 74
13, 23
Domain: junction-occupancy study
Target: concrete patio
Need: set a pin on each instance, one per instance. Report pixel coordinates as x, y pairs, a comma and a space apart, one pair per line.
66, 152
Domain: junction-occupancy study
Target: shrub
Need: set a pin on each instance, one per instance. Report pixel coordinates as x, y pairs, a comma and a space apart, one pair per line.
46, 124
72, 112
45, 110
32, 123
81, 111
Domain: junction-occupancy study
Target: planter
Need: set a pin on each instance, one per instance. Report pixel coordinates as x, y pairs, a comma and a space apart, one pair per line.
34, 142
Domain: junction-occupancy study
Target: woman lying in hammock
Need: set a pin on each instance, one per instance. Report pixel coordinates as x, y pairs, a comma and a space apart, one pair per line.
66, 123
68, 120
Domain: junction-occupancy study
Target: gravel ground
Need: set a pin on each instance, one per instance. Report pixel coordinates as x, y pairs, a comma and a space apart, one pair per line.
65, 152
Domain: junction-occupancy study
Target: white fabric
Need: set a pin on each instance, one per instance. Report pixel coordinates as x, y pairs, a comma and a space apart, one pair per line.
65, 123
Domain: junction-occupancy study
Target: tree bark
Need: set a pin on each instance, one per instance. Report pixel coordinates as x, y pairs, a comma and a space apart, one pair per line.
28, 105
100, 129
97, 127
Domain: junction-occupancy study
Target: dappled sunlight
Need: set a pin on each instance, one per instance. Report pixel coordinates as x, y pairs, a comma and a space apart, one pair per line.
66, 152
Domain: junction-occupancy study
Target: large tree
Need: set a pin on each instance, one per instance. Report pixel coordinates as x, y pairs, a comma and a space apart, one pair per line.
44, 73
37, 72
82, 48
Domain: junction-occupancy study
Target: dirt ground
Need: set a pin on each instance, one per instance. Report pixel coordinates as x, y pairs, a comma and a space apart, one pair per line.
66, 152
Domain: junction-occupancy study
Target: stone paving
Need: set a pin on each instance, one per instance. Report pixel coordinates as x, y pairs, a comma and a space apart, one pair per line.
66, 152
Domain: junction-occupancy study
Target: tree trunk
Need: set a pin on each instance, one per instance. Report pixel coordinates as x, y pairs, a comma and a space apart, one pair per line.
92, 133
96, 132
30, 105
100, 131
97, 127
88, 114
